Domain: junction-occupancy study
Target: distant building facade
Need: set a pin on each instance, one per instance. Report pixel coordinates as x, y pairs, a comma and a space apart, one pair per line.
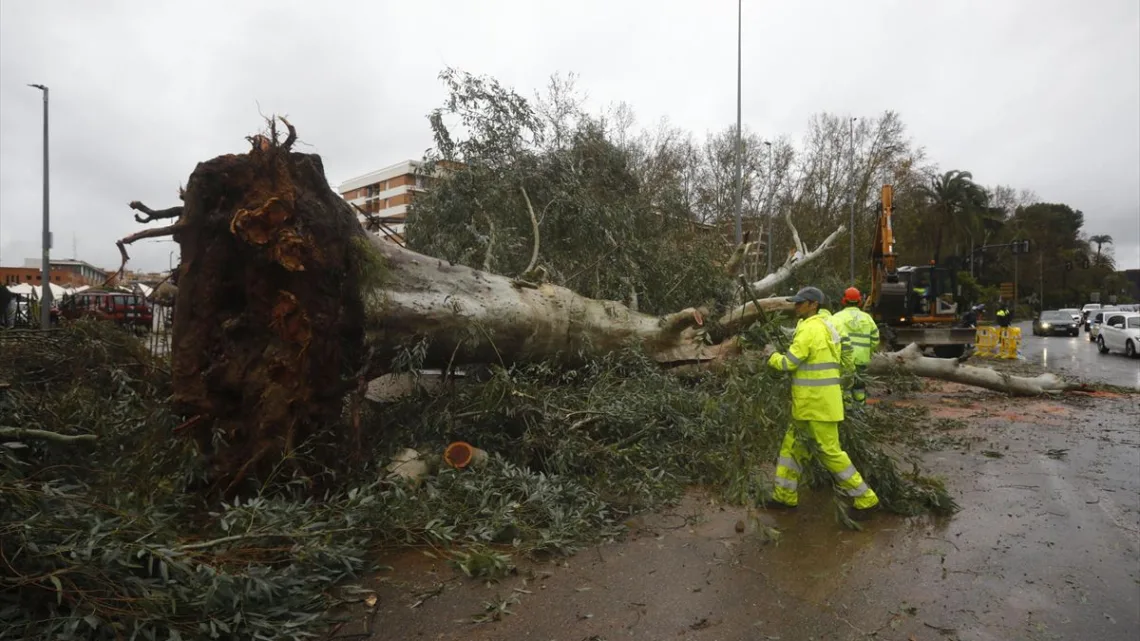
64, 272
384, 195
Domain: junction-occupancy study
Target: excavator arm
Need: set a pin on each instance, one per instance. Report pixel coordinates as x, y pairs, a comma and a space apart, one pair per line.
883, 249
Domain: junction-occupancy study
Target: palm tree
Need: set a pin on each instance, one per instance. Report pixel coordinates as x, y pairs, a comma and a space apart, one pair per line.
1100, 239
958, 202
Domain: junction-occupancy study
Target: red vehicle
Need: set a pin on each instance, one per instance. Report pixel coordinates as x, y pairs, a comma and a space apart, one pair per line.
122, 308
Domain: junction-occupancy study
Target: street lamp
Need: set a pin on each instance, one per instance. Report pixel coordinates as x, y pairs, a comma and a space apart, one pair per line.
851, 231
45, 298
768, 206
739, 144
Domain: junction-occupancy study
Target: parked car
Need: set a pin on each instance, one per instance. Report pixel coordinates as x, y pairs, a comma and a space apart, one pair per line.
1086, 313
1095, 321
1075, 313
1120, 331
1051, 322
124, 309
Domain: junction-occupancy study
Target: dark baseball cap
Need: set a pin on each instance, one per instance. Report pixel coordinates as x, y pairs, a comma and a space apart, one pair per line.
808, 294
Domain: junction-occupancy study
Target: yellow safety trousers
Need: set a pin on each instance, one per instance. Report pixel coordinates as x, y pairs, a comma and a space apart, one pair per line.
794, 455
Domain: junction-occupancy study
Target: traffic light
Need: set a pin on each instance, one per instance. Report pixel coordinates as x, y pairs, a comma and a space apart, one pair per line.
1020, 246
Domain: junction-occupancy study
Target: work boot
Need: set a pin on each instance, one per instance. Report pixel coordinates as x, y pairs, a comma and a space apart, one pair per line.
773, 504
856, 514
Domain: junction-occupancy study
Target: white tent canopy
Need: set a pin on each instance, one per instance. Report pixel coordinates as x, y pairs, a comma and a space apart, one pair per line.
27, 289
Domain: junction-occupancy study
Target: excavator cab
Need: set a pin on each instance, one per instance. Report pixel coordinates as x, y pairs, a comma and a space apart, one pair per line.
932, 291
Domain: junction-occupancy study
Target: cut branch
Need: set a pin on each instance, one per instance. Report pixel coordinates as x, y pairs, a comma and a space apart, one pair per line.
911, 359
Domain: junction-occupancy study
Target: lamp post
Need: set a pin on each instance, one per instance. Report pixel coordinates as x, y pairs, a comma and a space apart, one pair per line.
45, 298
739, 145
851, 231
768, 207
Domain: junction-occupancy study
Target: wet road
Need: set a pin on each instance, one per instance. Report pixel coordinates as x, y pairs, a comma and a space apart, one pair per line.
1078, 358
1046, 547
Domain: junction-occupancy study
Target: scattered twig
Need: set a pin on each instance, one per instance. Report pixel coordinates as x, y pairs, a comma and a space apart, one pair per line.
18, 432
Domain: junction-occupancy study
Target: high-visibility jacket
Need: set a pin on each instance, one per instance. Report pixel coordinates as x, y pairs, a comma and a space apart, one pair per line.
814, 361
1003, 317
862, 331
846, 351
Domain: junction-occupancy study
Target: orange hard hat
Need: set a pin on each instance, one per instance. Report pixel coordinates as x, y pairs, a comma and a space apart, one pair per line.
852, 295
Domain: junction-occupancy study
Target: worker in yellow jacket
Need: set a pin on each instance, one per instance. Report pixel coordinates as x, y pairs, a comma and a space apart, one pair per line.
863, 332
814, 360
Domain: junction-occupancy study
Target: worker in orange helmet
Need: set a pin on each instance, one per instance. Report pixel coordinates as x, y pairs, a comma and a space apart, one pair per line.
864, 335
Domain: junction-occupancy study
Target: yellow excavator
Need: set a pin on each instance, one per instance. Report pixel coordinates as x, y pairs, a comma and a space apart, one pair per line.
913, 304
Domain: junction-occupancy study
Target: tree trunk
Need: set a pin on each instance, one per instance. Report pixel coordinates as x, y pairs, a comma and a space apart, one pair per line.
469, 316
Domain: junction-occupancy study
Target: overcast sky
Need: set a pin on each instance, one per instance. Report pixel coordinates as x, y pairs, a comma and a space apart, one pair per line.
1037, 94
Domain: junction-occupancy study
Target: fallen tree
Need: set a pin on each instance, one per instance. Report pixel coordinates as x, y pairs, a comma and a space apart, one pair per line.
285, 306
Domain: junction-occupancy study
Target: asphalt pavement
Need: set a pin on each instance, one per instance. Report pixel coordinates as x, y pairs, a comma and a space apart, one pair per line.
1077, 357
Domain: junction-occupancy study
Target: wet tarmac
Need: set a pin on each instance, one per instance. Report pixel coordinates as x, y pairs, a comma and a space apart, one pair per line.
1047, 546
1078, 357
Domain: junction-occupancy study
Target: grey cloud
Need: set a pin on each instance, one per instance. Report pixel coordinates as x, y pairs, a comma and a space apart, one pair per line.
1043, 95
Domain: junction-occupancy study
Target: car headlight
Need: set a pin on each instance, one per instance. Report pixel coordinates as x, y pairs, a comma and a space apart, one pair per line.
1045, 325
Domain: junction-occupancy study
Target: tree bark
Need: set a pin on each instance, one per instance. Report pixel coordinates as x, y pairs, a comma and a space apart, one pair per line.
465, 316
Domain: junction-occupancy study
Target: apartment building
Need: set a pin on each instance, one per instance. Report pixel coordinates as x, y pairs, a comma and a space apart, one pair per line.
385, 194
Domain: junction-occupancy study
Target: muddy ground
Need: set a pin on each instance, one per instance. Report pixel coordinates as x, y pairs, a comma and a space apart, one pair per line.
1047, 546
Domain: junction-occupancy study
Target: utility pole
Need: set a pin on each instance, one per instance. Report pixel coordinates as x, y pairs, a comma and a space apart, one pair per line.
739, 144
45, 298
768, 207
1015, 283
854, 185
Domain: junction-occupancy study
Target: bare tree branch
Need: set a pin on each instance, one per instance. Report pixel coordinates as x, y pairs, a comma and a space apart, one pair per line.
152, 215
770, 282
489, 253
534, 225
157, 232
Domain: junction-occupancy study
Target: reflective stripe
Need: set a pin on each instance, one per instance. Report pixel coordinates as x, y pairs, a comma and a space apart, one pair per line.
847, 348
818, 367
784, 366
792, 357
787, 484
858, 335
784, 461
814, 382
858, 491
846, 474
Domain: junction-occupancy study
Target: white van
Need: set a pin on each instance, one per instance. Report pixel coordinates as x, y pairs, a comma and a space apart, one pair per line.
1087, 311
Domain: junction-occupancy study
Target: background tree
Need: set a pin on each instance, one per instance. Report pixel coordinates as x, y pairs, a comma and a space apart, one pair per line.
956, 201
1099, 240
